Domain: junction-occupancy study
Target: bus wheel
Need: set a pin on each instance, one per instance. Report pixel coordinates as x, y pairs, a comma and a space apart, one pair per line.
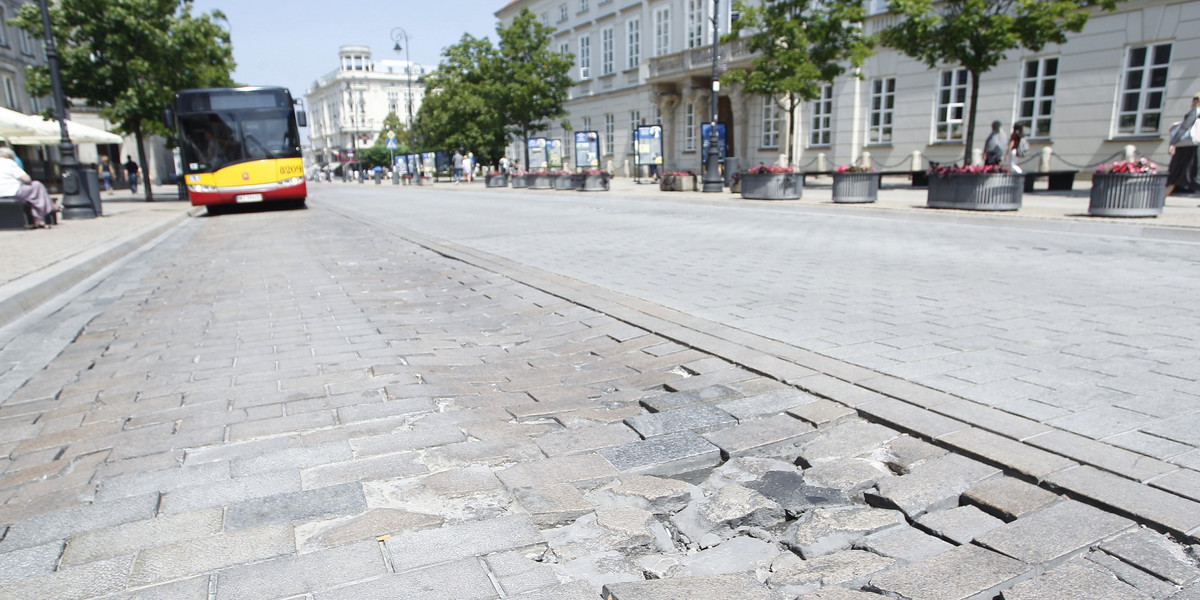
214, 209
300, 204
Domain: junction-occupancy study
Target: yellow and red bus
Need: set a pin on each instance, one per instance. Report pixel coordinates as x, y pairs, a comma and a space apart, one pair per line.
239, 145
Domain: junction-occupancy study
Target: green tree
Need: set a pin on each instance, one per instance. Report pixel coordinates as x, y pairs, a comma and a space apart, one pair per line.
373, 156
392, 123
128, 57
800, 46
533, 78
977, 34
463, 108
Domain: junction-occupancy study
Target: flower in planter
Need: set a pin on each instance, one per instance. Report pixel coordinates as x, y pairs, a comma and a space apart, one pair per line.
679, 174
520, 173
496, 174
853, 169
941, 170
560, 172
769, 170
1132, 167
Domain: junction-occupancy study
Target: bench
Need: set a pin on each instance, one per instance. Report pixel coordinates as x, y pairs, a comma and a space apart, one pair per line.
1060, 181
16, 214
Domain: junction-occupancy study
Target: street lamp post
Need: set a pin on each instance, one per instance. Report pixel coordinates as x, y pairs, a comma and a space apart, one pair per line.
398, 34
76, 202
712, 169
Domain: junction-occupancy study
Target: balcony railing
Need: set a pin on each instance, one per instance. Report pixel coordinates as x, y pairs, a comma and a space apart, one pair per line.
695, 59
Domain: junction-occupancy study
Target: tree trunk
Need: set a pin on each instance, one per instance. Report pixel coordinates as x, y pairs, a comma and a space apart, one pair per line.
792, 105
974, 104
525, 146
141, 148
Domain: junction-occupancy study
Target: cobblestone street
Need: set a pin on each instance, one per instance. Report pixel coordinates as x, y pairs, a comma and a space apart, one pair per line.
330, 403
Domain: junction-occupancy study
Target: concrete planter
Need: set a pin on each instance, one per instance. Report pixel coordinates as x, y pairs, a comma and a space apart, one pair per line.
1128, 194
563, 182
585, 182
678, 183
541, 181
976, 191
520, 181
496, 181
855, 188
772, 186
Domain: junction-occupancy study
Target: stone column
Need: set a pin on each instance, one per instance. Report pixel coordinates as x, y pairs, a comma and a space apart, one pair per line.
699, 99
667, 102
741, 124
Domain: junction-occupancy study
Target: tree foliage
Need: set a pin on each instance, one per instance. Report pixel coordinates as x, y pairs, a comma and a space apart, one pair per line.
977, 34
534, 79
128, 57
462, 109
392, 123
800, 46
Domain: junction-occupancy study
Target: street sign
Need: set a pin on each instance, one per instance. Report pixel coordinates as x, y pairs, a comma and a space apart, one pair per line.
391, 135
391, 143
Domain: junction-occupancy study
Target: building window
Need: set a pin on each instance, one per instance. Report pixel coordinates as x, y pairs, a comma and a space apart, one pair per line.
634, 42
883, 105
546, 19
695, 23
10, 94
610, 128
606, 51
662, 31
821, 122
689, 127
562, 13
564, 48
585, 57
393, 102
1036, 106
951, 102
657, 115
26, 46
3, 27
1145, 82
583, 5
770, 123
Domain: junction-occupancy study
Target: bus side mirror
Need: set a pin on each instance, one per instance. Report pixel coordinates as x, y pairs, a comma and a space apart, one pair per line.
168, 117
302, 118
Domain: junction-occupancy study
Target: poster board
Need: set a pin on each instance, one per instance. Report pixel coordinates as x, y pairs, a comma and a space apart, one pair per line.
429, 163
649, 144
705, 133
537, 153
554, 154
587, 149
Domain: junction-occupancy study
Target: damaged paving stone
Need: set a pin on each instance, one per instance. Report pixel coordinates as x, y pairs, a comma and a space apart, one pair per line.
905, 544
586, 470
553, 504
737, 555
966, 572
849, 439
671, 400
853, 475
658, 495
1076, 579
906, 452
708, 521
934, 485
769, 403
827, 530
791, 491
742, 586
849, 567
1154, 553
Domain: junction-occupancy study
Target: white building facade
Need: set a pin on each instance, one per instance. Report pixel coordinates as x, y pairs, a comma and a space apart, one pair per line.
347, 106
1122, 81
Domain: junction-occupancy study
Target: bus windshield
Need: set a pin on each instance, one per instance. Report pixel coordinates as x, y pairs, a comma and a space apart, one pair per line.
212, 140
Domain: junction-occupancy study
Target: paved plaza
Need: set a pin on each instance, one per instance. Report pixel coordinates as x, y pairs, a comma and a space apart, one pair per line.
455, 393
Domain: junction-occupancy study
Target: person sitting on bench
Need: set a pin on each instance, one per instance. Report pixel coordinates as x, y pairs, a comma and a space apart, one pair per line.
16, 183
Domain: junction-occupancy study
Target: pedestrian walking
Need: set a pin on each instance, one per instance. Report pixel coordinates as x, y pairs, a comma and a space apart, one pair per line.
16, 183
131, 173
457, 162
504, 165
105, 170
469, 166
1018, 147
993, 149
1184, 170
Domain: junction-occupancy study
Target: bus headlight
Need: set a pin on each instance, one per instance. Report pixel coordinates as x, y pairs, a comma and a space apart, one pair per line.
199, 188
292, 181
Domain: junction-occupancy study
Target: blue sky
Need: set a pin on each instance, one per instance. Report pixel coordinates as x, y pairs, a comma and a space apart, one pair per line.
291, 43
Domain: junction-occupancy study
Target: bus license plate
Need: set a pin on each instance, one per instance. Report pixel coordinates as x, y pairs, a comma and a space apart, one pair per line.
249, 198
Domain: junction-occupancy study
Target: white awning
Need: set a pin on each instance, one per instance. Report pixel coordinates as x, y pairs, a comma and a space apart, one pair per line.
13, 123
48, 133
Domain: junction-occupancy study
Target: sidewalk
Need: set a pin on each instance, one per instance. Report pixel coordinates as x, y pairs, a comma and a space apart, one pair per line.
895, 195
44, 262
